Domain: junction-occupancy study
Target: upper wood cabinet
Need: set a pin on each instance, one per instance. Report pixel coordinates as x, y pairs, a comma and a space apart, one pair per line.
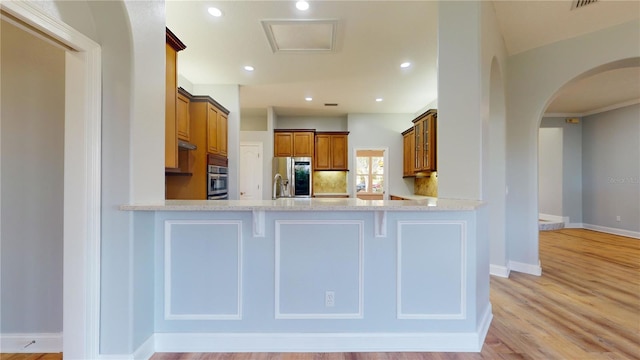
419, 145
425, 141
293, 143
183, 121
282, 144
303, 143
212, 130
215, 117
409, 153
172, 46
222, 133
331, 151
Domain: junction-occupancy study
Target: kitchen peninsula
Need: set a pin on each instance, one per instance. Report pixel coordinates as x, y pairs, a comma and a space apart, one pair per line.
316, 275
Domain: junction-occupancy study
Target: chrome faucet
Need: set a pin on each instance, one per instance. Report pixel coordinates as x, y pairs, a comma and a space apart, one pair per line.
275, 184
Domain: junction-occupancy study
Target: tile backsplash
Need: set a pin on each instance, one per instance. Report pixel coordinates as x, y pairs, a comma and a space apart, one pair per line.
330, 181
426, 186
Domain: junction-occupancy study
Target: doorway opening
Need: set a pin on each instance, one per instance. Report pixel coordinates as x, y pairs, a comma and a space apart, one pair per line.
251, 177
82, 166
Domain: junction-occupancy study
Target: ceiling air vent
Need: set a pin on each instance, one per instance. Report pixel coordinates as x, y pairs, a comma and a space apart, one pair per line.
301, 35
581, 3
330, 104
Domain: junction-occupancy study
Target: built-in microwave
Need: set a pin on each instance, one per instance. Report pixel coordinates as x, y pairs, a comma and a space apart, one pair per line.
217, 182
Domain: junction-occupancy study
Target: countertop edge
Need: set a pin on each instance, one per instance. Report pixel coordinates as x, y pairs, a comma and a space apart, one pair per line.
315, 204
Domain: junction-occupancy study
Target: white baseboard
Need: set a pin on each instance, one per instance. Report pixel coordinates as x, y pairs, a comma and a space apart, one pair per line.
574, 226
483, 327
144, 352
42, 343
526, 268
322, 342
554, 218
608, 230
499, 270
116, 357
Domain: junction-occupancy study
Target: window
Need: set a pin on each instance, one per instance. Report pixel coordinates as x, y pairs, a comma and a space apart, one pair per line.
370, 172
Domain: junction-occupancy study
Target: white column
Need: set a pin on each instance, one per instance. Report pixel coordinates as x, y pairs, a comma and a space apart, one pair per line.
459, 100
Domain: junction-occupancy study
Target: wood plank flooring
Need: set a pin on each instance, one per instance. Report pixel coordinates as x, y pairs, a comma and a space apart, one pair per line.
586, 305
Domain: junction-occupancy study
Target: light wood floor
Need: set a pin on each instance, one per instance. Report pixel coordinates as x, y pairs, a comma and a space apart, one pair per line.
586, 305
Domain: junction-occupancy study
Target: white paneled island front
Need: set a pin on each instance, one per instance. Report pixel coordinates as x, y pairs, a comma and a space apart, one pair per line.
315, 275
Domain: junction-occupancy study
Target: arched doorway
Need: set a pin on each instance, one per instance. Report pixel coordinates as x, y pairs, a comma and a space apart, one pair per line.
573, 134
533, 78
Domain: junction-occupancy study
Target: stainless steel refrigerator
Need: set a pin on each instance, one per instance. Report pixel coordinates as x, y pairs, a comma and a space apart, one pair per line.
295, 178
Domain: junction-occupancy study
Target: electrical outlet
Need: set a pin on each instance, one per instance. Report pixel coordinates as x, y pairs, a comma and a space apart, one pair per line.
329, 298
618, 218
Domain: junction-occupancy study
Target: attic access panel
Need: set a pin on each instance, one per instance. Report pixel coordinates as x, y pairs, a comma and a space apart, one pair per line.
301, 35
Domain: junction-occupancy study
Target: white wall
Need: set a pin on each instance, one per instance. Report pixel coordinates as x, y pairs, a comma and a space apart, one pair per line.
550, 171
253, 123
459, 82
571, 167
32, 161
381, 130
533, 78
313, 122
611, 169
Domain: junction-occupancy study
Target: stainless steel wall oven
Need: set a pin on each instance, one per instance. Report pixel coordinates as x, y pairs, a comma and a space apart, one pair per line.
217, 182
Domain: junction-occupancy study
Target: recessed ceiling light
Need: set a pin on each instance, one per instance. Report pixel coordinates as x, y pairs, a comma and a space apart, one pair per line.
302, 5
379, 99
308, 98
215, 11
249, 68
405, 65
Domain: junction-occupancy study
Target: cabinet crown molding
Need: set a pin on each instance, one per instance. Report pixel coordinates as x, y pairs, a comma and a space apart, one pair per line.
174, 42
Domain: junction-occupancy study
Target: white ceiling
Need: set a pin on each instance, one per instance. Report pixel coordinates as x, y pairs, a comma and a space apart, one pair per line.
373, 38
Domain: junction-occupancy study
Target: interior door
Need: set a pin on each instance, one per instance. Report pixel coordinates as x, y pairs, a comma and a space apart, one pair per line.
250, 171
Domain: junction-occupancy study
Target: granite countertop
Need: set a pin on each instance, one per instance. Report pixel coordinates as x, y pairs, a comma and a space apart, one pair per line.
309, 204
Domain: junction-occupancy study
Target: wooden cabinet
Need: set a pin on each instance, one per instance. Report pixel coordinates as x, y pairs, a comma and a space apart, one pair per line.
172, 46
182, 124
205, 114
282, 144
303, 144
409, 153
293, 143
222, 133
425, 137
214, 116
394, 197
331, 151
419, 145
212, 130
425, 141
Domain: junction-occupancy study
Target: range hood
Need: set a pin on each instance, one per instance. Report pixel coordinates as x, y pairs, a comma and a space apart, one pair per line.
186, 145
